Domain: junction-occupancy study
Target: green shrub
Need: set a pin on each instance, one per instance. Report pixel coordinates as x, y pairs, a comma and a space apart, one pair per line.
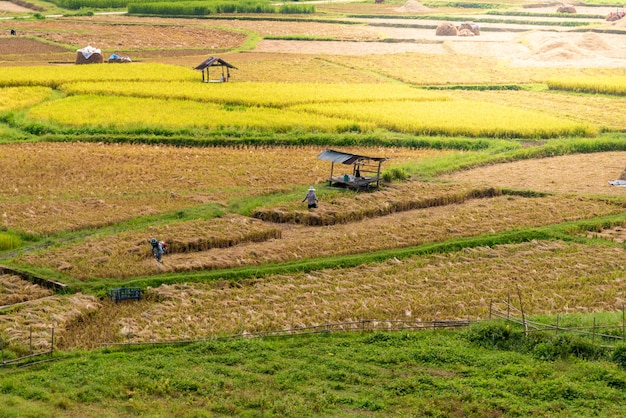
619, 356
495, 334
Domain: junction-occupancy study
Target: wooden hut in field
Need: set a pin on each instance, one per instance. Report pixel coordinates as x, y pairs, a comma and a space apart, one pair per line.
357, 172
215, 62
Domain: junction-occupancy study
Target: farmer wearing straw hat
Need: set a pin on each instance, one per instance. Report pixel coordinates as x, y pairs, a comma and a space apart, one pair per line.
310, 196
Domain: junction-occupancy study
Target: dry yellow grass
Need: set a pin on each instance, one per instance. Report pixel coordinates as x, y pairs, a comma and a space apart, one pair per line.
129, 253
392, 198
587, 174
14, 289
50, 187
552, 276
437, 69
41, 315
397, 230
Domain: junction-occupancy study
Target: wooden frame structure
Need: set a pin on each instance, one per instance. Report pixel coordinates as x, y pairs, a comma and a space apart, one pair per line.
215, 62
365, 171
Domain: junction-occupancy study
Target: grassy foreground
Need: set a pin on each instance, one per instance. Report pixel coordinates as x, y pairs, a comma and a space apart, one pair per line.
431, 373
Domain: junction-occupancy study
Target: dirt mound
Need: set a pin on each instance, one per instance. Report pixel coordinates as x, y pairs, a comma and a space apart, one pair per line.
591, 41
446, 29
413, 7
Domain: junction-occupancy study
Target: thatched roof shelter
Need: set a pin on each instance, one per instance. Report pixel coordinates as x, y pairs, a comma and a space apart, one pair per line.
365, 171
215, 62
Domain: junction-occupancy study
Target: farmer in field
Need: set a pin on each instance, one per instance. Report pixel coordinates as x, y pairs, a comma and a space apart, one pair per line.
157, 249
311, 198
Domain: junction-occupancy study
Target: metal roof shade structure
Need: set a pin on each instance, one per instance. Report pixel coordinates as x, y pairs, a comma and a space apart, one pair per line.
365, 170
215, 62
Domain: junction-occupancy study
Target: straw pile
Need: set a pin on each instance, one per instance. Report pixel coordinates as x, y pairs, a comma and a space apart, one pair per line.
413, 6
465, 32
446, 29
471, 27
566, 8
14, 289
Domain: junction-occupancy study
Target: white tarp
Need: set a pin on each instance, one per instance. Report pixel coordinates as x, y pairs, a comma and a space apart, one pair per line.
89, 51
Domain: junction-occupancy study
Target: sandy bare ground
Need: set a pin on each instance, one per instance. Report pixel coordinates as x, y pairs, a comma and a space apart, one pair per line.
580, 173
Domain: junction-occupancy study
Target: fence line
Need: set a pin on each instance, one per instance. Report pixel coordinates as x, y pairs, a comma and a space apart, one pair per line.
352, 326
32, 354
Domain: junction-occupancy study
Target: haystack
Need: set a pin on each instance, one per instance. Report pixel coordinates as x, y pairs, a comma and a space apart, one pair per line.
413, 6
446, 29
89, 55
566, 8
465, 32
623, 175
471, 26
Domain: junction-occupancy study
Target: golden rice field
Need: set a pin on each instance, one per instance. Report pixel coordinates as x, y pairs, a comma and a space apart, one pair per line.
41, 315
130, 251
456, 118
553, 276
598, 85
54, 76
130, 113
602, 111
448, 118
582, 174
268, 94
51, 187
20, 97
397, 230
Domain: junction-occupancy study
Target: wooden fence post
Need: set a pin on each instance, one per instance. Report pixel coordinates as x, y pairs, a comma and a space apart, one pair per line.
51, 341
508, 306
521, 308
593, 331
556, 328
30, 338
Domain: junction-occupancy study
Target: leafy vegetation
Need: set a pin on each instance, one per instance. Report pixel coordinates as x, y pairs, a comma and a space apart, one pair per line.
386, 374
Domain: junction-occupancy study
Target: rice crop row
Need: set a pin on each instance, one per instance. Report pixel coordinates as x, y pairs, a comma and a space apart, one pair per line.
53, 76
41, 315
129, 253
254, 94
454, 118
390, 200
552, 276
131, 113
398, 230
13, 98
97, 184
14, 289
614, 85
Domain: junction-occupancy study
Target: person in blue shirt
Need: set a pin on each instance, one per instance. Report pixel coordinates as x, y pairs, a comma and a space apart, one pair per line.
157, 249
